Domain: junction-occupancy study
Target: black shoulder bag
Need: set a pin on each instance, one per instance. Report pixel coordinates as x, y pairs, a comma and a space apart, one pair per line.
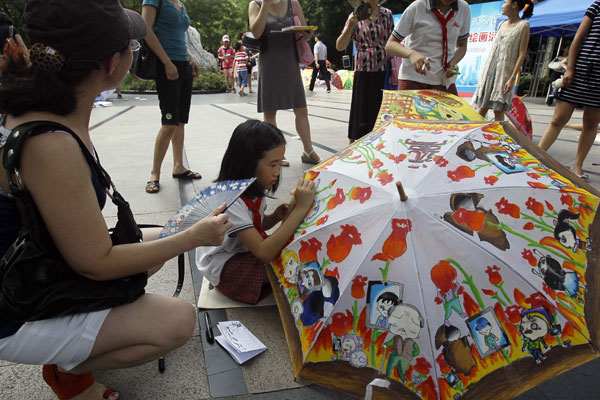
256, 44
145, 62
35, 281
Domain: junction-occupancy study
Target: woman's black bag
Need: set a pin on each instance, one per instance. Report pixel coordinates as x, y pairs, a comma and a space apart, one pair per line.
145, 62
35, 281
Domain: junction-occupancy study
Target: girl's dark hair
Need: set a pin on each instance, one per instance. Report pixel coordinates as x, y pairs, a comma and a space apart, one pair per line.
31, 88
529, 11
247, 146
237, 45
5, 19
562, 224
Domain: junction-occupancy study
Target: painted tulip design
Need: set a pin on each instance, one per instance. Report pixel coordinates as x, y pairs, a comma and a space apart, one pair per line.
338, 247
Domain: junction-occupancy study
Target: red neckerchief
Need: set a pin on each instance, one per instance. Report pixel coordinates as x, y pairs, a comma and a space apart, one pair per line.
254, 206
444, 22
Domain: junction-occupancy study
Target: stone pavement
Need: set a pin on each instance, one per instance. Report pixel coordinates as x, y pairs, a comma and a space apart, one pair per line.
124, 137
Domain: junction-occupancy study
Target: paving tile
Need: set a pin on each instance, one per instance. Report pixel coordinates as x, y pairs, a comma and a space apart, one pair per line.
229, 383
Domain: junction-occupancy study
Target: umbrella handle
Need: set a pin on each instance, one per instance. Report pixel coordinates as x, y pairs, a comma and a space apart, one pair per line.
401, 192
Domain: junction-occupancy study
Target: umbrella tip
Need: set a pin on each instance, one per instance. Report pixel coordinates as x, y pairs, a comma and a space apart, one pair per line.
403, 196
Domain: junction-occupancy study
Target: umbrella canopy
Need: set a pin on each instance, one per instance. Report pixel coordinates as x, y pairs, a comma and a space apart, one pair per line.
344, 79
455, 260
424, 105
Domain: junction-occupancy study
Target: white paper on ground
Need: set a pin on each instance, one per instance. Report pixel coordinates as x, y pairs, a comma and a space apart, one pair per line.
239, 357
239, 337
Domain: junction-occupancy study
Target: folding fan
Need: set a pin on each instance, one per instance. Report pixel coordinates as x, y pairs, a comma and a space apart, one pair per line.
204, 203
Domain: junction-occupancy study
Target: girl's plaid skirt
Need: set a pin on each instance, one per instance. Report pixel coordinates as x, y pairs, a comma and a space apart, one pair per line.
242, 278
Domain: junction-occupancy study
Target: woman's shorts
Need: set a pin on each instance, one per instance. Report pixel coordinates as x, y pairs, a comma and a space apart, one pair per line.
175, 96
64, 341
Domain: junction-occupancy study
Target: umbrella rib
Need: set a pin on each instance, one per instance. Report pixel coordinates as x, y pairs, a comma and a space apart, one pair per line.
519, 274
482, 189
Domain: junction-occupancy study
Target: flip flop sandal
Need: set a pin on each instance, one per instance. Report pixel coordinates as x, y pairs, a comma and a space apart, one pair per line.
187, 175
307, 158
285, 163
152, 187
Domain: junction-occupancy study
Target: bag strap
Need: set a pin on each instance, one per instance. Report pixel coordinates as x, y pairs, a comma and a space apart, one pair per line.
157, 13
13, 150
294, 7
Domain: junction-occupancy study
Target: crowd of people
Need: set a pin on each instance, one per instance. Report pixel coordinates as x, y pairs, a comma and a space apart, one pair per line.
78, 52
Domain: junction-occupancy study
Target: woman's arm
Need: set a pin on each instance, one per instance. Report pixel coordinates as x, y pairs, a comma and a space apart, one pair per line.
59, 179
461, 50
582, 32
521, 57
149, 16
267, 249
257, 15
307, 34
346, 36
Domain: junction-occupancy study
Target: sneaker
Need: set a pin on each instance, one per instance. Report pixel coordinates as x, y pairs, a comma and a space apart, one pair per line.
120, 96
328, 90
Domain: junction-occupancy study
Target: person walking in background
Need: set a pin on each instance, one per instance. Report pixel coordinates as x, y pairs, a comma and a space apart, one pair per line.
496, 86
280, 84
436, 33
369, 36
226, 54
581, 86
241, 67
173, 83
320, 51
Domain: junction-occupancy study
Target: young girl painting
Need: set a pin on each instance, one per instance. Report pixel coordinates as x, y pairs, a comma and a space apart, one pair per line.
237, 267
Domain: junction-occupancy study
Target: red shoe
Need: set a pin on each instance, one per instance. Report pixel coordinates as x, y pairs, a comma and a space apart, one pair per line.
66, 386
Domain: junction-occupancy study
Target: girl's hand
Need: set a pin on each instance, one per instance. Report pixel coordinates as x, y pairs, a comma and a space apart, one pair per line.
353, 21
210, 230
304, 194
567, 78
508, 85
171, 71
420, 63
281, 211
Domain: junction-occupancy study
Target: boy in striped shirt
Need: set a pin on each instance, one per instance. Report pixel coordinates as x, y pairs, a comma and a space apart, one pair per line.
241, 67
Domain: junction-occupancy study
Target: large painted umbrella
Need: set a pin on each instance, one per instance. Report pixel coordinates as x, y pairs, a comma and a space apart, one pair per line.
424, 105
452, 260
343, 79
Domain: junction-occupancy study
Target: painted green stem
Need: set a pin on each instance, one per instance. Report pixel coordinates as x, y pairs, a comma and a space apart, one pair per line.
386, 270
501, 287
469, 281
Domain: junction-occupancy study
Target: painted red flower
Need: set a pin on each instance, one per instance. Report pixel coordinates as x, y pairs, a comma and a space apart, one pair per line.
528, 226
380, 146
441, 161
422, 366
490, 180
566, 200
397, 159
370, 173
513, 314
338, 247
361, 194
311, 175
494, 275
376, 163
528, 255
474, 219
322, 220
385, 178
309, 249
358, 286
489, 137
504, 207
549, 206
341, 323
488, 292
533, 175
537, 299
336, 200
395, 245
460, 173
537, 185
535, 206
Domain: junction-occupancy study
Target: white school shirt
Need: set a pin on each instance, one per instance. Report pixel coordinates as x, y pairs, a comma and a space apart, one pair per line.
423, 33
211, 259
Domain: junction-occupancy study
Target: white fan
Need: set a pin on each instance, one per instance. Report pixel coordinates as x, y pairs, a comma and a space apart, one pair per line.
204, 203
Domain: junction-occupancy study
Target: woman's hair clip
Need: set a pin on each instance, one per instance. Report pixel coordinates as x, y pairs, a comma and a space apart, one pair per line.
45, 57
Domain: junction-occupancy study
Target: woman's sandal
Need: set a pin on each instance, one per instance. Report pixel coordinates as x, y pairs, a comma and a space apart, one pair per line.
66, 386
284, 163
152, 187
308, 158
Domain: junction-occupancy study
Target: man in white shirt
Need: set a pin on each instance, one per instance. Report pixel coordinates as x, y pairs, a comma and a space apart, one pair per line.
320, 51
436, 33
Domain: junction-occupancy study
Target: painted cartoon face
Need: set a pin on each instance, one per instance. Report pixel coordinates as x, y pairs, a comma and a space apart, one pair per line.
308, 279
290, 269
449, 113
543, 265
567, 239
533, 327
486, 330
348, 345
384, 307
405, 322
